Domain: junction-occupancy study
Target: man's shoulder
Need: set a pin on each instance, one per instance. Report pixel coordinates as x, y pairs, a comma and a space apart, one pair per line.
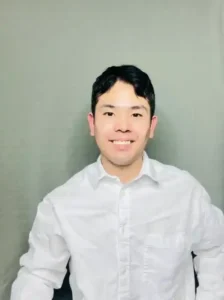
72, 187
166, 172
181, 180
81, 177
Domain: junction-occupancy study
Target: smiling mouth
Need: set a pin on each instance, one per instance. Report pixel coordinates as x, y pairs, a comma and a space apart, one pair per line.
117, 142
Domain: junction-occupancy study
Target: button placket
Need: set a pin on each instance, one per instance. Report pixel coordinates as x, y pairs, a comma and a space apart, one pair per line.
123, 244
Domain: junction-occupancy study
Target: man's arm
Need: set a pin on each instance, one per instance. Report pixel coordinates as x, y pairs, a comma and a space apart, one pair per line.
43, 267
209, 262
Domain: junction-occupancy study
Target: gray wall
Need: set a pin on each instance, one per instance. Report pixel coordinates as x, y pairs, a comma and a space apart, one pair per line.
50, 54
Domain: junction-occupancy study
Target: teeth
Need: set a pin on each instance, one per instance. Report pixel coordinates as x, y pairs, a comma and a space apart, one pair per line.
122, 142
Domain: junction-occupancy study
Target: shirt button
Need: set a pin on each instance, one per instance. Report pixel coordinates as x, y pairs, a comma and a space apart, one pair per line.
124, 192
121, 229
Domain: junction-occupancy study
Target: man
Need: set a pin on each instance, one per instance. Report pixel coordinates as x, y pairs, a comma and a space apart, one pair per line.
127, 223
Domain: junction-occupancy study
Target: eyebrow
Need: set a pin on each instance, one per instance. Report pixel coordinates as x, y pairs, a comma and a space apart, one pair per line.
134, 107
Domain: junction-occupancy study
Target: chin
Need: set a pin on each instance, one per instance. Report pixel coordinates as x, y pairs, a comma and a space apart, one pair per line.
122, 162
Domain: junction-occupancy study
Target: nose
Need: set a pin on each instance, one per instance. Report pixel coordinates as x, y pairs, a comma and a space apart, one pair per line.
122, 124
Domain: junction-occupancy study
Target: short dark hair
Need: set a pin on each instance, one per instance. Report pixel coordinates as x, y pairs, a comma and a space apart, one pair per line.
129, 74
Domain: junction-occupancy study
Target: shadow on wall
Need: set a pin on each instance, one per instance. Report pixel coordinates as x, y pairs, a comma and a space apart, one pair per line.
163, 147
81, 149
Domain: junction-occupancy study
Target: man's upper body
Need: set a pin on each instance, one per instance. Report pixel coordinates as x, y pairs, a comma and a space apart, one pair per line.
127, 224
126, 241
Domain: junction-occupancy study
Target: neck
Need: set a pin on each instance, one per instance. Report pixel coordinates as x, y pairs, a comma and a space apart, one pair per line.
125, 173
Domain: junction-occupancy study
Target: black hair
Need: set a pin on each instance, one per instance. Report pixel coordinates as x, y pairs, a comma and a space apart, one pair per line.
129, 74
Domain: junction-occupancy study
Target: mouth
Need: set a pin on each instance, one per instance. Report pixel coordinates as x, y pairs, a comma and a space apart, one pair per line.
119, 142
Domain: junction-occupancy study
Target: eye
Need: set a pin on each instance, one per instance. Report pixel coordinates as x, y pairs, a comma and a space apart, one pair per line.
136, 115
109, 114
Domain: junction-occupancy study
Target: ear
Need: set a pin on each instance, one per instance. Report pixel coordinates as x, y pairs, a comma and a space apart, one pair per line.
90, 118
153, 125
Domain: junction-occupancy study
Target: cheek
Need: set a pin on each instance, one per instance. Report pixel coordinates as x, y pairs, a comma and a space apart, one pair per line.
103, 130
142, 130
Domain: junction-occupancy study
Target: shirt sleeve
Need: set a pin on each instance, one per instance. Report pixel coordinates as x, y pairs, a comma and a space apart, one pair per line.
43, 267
209, 261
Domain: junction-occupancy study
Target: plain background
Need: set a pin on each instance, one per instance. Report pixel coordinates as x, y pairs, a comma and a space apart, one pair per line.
50, 54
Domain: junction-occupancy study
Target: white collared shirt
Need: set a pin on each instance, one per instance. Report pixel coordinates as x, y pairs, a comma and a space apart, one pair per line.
125, 241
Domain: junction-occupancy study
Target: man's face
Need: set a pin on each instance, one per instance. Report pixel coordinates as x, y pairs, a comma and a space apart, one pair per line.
122, 124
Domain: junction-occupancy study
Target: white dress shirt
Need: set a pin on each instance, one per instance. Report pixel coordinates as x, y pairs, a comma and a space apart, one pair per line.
125, 241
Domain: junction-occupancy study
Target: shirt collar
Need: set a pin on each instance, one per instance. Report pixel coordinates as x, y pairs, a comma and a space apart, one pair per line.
146, 170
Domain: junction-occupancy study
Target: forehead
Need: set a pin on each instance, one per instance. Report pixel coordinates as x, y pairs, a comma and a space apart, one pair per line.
122, 95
